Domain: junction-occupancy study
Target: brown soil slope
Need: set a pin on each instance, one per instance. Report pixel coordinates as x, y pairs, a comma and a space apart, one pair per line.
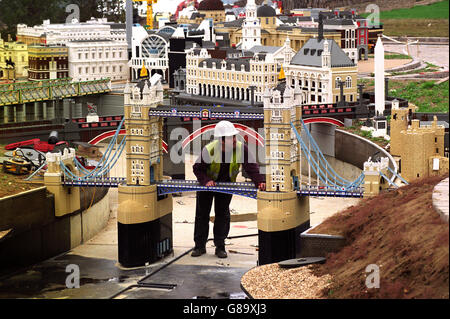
401, 233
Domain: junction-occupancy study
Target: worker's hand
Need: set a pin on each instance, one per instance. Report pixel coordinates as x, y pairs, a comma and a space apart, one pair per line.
262, 186
210, 183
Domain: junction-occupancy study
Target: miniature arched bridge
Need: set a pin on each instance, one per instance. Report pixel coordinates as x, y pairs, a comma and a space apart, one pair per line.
43, 90
329, 183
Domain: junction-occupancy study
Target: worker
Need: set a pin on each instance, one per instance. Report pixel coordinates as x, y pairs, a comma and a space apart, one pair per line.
220, 162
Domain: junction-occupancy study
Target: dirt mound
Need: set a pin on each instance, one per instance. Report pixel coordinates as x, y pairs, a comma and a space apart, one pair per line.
398, 231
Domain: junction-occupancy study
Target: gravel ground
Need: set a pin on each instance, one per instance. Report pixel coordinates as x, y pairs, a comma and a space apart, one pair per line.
273, 282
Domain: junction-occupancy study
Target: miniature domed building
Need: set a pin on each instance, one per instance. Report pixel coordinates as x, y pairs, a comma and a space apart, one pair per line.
266, 15
212, 9
211, 5
265, 11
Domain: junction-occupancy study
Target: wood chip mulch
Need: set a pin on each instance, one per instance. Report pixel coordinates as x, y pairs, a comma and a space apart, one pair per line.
273, 282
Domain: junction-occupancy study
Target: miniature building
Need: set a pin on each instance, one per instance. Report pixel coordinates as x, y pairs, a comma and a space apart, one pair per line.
282, 214
212, 9
144, 219
17, 53
373, 181
97, 59
282, 55
179, 77
273, 31
318, 68
399, 122
62, 33
66, 200
48, 62
177, 54
281, 107
380, 125
144, 148
229, 78
251, 29
152, 50
353, 29
421, 149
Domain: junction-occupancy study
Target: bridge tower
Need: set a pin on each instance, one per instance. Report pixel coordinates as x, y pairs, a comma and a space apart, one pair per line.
144, 219
282, 214
67, 199
374, 182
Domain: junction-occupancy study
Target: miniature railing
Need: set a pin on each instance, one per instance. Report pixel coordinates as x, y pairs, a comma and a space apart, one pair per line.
35, 91
110, 182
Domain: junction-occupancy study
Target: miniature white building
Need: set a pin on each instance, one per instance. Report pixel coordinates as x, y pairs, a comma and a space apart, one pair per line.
281, 107
318, 68
282, 55
144, 149
251, 29
348, 29
97, 59
62, 33
151, 50
229, 78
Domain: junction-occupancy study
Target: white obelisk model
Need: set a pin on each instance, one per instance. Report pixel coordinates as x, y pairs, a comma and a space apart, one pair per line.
379, 77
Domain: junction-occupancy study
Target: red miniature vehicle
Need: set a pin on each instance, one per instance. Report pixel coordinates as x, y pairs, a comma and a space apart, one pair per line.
39, 145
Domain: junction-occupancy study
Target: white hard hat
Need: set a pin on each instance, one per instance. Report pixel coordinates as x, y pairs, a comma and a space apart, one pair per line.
225, 128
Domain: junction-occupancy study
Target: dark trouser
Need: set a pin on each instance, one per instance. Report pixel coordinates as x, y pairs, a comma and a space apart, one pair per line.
221, 220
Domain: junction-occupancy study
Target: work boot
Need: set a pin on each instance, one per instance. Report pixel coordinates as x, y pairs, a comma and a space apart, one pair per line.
198, 251
220, 252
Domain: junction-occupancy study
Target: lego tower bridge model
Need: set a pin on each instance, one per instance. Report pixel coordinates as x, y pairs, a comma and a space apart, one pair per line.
145, 214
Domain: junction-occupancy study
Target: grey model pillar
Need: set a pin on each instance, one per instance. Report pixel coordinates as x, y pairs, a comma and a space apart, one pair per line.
11, 113
20, 113
45, 106
77, 110
39, 110
341, 94
361, 109
51, 110
2, 115
252, 95
29, 108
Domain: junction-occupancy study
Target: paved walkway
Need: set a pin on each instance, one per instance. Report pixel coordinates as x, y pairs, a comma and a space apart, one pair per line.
102, 277
368, 65
440, 199
435, 54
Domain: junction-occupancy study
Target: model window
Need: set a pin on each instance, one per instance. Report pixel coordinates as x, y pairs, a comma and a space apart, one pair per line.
348, 82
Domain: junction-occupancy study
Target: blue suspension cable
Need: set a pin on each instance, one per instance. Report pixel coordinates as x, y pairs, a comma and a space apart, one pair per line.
320, 154
319, 171
310, 159
104, 160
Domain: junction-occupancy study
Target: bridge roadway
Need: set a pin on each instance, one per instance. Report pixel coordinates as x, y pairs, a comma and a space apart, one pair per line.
242, 188
208, 112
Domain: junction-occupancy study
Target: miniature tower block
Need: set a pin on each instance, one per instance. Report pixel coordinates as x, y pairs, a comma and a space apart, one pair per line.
282, 214
373, 180
144, 219
67, 199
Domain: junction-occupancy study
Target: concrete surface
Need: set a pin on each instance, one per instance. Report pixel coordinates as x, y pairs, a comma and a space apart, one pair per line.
435, 54
367, 66
102, 277
440, 199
